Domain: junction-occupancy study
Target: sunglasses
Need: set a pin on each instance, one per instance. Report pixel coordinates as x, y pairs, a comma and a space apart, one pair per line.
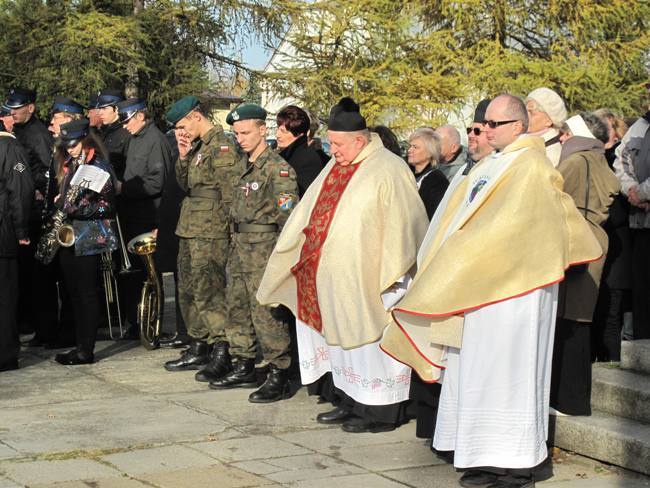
493, 124
476, 130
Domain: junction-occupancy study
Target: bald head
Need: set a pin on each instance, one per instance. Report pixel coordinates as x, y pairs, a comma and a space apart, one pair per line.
508, 114
449, 143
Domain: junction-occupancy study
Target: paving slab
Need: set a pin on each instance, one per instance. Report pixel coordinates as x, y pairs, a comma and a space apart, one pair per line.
604, 482
384, 457
441, 476
7, 452
100, 424
33, 472
149, 377
5, 483
332, 440
233, 407
354, 481
307, 467
39, 385
153, 460
221, 476
256, 447
95, 483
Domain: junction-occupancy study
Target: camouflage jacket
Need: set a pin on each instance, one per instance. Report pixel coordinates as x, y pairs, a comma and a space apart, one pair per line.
265, 192
205, 174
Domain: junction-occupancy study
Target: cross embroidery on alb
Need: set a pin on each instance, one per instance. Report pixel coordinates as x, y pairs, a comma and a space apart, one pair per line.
246, 188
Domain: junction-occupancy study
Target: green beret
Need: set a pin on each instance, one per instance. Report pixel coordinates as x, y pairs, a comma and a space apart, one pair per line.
181, 108
246, 111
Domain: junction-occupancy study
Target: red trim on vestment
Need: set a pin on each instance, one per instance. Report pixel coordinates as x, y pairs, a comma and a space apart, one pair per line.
305, 270
409, 365
462, 312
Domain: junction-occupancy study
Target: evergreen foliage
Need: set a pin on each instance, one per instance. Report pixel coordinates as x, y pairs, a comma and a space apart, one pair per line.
159, 49
412, 62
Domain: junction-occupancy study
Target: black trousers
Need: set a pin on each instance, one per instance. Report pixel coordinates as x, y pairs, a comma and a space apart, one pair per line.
571, 373
81, 279
641, 283
608, 322
38, 305
9, 343
388, 414
425, 398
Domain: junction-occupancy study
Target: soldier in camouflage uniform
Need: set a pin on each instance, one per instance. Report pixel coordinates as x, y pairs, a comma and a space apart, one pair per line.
265, 192
204, 169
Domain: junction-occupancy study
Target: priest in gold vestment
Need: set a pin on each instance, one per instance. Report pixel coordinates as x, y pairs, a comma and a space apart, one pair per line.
338, 265
479, 314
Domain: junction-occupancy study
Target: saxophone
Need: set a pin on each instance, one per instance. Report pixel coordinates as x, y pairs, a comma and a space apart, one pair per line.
56, 232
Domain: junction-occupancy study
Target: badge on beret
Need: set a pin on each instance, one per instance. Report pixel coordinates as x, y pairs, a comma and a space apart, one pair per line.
284, 173
255, 186
20, 167
235, 115
285, 201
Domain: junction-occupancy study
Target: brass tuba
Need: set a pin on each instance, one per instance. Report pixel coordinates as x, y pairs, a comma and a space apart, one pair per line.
144, 246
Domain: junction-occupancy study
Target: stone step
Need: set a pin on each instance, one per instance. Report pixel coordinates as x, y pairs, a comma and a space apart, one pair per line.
635, 355
605, 437
621, 392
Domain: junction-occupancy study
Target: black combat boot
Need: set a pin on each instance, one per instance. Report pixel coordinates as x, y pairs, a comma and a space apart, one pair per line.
219, 366
276, 387
242, 376
196, 356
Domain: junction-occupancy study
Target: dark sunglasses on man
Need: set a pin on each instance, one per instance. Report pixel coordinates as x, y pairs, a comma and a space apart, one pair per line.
493, 124
476, 130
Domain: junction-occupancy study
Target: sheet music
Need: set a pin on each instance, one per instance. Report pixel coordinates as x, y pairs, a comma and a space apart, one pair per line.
90, 177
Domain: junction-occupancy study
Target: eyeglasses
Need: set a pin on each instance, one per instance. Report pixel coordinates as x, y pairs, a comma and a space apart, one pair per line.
476, 130
493, 124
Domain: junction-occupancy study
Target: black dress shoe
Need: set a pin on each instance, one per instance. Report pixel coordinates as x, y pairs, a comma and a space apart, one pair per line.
475, 478
9, 366
357, 425
193, 358
175, 341
242, 376
218, 367
510, 481
74, 357
336, 416
276, 387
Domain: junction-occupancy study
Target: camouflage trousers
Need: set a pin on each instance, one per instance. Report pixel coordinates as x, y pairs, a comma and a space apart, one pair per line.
248, 320
201, 287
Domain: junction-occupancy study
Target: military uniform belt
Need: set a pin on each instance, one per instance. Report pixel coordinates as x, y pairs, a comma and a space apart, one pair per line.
205, 193
240, 228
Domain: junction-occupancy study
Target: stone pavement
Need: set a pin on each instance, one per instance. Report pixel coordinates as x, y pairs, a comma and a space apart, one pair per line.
125, 422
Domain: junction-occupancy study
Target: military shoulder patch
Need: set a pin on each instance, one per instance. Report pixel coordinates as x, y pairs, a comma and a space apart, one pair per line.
284, 173
20, 167
286, 201
224, 149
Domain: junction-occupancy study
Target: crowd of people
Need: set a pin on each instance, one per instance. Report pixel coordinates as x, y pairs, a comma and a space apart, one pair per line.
469, 287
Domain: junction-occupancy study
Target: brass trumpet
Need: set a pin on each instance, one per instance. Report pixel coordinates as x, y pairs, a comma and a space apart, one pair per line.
144, 246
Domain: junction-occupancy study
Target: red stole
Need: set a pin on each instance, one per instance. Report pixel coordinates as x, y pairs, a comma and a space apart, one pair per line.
316, 233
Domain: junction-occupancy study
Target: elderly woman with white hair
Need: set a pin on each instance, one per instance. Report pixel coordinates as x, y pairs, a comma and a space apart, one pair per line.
593, 186
546, 114
424, 156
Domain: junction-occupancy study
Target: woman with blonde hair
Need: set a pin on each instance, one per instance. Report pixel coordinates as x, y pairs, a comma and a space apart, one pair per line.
423, 156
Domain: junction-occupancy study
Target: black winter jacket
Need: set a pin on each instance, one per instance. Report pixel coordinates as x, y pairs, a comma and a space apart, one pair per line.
305, 162
16, 195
